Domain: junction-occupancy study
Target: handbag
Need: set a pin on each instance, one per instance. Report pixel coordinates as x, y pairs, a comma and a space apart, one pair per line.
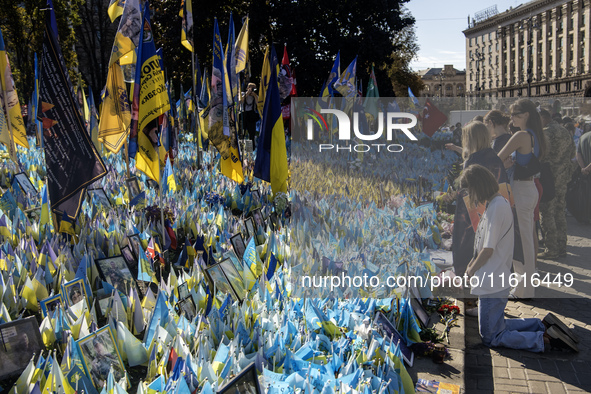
530, 169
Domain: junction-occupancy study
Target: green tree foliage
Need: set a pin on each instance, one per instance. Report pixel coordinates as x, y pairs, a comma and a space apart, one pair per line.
23, 28
314, 31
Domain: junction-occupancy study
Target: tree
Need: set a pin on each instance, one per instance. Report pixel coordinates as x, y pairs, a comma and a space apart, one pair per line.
23, 27
314, 31
96, 35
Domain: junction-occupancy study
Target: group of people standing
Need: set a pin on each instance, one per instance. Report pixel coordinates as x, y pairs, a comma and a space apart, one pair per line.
501, 150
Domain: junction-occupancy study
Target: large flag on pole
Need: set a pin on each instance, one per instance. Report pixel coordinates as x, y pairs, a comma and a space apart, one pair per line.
241, 48
115, 9
335, 71
115, 111
72, 160
10, 103
186, 14
222, 133
128, 34
152, 101
230, 60
346, 85
271, 161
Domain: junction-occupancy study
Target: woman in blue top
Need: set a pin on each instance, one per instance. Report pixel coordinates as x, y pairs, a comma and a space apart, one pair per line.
528, 141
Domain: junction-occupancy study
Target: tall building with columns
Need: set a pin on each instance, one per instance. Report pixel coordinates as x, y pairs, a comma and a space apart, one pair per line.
540, 48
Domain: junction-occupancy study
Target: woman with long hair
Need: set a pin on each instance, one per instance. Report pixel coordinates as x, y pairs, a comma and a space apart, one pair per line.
475, 150
520, 149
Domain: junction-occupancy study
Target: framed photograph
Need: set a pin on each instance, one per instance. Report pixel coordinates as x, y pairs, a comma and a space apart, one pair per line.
256, 197
100, 195
246, 381
25, 183
19, 340
115, 271
135, 242
250, 227
74, 292
99, 352
183, 291
235, 261
234, 277
420, 312
219, 281
129, 259
187, 307
274, 221
258, 218
50, 304
238, 245
382, 323
133, 187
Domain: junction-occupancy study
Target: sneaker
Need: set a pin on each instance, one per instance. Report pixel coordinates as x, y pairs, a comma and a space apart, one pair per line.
472, 312
552, 320
560, 339
548, 255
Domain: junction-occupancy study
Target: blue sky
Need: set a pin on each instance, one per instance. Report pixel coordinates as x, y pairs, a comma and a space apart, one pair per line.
439, 26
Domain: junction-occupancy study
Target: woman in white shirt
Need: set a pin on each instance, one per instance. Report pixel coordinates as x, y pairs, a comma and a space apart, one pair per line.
490, 269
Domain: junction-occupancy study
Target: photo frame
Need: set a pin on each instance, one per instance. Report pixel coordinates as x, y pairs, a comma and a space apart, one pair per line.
100, 195
237, 262
256, 196
246, 381
116, 272
183, 290
25, 183
133, 187
75, 291
130, 259
257, 215
135, 242
50, 304
382, 323
219, 280
420, 312
188, 307
250, 227
238, 245
19, 340
234, 277
99, 351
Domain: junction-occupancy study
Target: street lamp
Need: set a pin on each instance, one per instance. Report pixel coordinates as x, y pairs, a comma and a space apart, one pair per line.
478, 57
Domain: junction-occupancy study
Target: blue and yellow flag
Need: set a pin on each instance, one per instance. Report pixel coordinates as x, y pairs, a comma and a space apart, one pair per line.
186, 14
346, 84
127, 37
115, 9
271, 160
221, 133
328, 90
230, 58
152, 101
115, 112
168, 182
241, 47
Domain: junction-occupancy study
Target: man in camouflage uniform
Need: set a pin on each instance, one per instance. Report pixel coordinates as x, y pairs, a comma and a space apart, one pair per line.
560, 152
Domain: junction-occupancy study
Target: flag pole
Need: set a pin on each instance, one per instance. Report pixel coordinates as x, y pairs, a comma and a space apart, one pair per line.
161, 205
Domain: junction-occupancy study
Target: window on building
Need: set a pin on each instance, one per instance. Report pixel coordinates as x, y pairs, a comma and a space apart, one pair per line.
560, 26
497, 59
497, 46
471, 77
490, 60
559, 43
572, 22
470, 53
470, 87
459, 88
490, 48
549, 45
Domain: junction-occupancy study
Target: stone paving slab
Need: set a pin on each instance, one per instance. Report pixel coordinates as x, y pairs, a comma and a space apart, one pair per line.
515, 371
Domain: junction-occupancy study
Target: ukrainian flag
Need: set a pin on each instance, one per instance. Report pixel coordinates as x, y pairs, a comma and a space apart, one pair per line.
271, 161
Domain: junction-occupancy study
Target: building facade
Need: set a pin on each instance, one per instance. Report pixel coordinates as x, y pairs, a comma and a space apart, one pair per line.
443, 82
540, 48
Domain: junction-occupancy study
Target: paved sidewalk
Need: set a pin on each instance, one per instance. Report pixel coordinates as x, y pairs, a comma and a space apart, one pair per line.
515, 371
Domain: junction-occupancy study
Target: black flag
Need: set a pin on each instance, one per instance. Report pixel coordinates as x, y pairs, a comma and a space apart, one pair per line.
72, 160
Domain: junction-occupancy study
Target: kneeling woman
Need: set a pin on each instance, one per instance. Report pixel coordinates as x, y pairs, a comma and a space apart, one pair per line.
493, 251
